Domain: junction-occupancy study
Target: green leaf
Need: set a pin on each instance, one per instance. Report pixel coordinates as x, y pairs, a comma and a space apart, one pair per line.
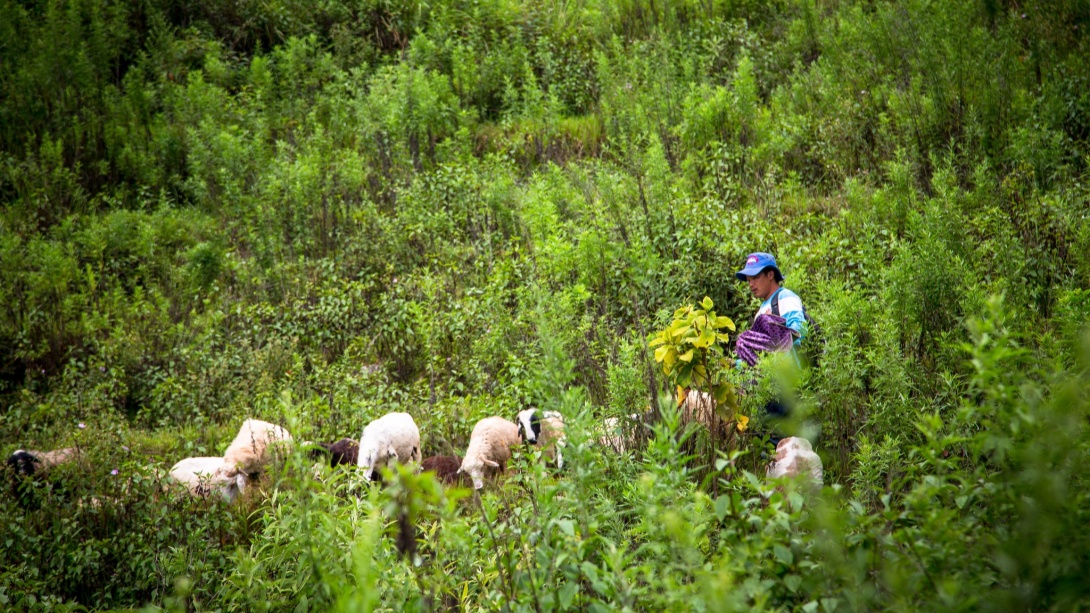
724, 322
567, 594
792, 582
706, 339
687, 356
660, 353
722, 506
783, 554
707, 303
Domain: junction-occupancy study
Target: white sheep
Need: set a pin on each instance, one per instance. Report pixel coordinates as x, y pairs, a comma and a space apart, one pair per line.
392, 437
255, 446
795, 457
544, 429
203, 476
489, 449
699, 407
618, 433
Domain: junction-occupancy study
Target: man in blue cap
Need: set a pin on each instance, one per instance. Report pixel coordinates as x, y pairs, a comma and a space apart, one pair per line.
766, 282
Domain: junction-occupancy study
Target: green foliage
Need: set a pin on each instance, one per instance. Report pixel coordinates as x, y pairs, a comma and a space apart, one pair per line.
692, 350
319, 213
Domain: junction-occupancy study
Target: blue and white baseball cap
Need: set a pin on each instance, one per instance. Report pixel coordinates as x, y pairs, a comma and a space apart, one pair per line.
755, 263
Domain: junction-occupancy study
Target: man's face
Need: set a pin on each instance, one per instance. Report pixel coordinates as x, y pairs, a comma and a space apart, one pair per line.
763, 284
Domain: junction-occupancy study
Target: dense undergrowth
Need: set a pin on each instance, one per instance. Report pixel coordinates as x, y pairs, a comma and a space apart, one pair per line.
213, 211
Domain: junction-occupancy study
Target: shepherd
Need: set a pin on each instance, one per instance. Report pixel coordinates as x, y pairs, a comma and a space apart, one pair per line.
780, 324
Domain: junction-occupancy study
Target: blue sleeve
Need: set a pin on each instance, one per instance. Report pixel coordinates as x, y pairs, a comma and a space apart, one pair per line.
796, 321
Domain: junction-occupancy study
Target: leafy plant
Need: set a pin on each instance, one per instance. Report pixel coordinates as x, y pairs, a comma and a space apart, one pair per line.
693, 351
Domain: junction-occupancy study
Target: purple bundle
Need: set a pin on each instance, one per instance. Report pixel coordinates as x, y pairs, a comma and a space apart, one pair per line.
768, 333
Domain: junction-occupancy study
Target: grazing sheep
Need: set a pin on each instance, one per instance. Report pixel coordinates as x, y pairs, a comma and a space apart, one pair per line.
345, 451
489, 449
29, 463
29, 467
394, 436
544, 429
204, 475
618, 433
699, 407
795, 457
445, 467
253, 449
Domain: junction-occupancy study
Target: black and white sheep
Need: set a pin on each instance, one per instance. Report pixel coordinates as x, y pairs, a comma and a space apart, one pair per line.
489, 449
203, 476
544, 429
392, 437
29, 463
30, 468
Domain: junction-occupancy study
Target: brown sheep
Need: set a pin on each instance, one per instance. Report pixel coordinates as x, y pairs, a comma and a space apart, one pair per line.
445, 468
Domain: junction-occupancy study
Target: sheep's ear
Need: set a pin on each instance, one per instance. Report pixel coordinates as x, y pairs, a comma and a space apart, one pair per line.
492, 463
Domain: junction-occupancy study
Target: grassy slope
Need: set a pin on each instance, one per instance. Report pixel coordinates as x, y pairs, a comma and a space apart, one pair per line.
210, 215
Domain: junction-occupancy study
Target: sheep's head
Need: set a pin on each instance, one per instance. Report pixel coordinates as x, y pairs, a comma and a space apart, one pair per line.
23, 463
231, 490
478, 470
529, 425
227, 480
229, 474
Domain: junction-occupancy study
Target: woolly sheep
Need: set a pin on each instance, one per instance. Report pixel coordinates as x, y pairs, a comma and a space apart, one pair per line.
489, 449
29, 463
28, 466
345, 451
699, 407
394, 436
253, 449
618, 433
204, 475
445, 467
795, 457
544, 429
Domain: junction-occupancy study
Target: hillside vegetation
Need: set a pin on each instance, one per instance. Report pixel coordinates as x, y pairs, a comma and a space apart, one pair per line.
315, 213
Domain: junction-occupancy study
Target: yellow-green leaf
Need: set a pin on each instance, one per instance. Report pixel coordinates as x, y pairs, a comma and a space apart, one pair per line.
707, 338
687, 356
707, 303
660, 353
655, 342
724, 322
743, 423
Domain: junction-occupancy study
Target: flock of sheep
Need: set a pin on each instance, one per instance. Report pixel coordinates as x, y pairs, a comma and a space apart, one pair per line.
395, 438
392, 438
